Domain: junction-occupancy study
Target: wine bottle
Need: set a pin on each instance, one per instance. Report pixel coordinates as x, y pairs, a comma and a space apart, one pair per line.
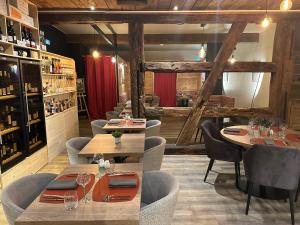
1, 33
23, 35
10, 32
31, 40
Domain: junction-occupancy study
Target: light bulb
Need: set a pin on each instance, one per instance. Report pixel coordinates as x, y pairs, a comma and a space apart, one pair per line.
286, 5
175, 8
113, 60
266, 22
202, 52
232, 60
95, 54
92, 8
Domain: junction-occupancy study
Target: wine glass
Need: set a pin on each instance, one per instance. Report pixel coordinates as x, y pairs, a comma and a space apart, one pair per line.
111, 168
83, 179
251, 127
282, 129
70, 200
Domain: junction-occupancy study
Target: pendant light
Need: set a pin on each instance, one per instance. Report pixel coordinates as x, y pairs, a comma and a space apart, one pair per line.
267, 20
113, 59
202, 52
286, 5
95, 52
232, 60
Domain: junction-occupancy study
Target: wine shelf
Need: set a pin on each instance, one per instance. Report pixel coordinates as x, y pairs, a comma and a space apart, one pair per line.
34, 121
20, 57
13, 157
7, 97
61, 93
57, 74
35, 145
25, 47
56, 114
9, 130
32, 94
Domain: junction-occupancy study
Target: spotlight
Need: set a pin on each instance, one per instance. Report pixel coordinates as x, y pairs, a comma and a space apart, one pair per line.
113, 60
266, 22
92, 8
286, 5
95, 54
175, 8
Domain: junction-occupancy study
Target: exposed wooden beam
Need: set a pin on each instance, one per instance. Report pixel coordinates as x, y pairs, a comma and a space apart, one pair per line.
282, 56
159, 17
112, 30
102, 34
164, 38
219, 65
207, 67
136, 43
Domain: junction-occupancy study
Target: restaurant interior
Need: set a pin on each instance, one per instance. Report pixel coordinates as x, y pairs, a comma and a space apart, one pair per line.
150, 112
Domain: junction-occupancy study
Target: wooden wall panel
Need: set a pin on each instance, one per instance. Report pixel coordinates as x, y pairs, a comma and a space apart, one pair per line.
149, 83
187, 82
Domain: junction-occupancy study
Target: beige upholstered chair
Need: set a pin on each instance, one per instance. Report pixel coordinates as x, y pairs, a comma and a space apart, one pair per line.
159, 198
97, 126
112, 115
154, 153
74, 146
153, 128
18, 195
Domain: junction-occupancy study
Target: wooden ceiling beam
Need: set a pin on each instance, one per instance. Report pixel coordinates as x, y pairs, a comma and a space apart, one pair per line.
122, 39
102, 34
182, 67
163, 17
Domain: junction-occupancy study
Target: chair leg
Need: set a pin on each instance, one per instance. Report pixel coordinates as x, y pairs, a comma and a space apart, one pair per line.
237, 174
291, 200
197, 135
201, 137
250, 186
210, 165
297, 193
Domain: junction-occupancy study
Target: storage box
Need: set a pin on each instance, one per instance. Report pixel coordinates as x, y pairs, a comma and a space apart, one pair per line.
28, 20
23, 6
3, 7
14, 12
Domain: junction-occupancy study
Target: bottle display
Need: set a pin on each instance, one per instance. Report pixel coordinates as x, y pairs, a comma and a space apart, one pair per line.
58, 104
11, 34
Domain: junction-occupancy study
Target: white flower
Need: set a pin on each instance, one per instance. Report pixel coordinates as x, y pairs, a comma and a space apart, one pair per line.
101, 163
106, 164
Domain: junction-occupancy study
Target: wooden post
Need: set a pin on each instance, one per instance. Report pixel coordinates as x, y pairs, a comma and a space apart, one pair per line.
136, 48
281, 80
217, 70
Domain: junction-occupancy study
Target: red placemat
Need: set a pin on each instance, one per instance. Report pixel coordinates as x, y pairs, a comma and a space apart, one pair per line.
280, 143
242, 132
101, 189
293, 137
257, 141
61, 193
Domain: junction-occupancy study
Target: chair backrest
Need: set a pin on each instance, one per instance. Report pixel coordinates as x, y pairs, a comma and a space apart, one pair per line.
152, 128
74, 146
18, 195
272, 166
97, 126
159, 197
154, 153
112, 115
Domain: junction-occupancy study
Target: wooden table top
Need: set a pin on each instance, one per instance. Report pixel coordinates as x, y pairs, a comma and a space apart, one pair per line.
244, 141
92, 213
126, 126
131, 145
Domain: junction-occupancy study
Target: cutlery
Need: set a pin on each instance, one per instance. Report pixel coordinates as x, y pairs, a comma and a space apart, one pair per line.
122, 174
108, 198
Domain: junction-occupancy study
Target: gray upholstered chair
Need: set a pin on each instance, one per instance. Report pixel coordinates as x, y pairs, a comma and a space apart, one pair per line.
275, 167
97, 126
18, 195
112, 115
154, 153
74, 146
218, 149
152, 128
159, 197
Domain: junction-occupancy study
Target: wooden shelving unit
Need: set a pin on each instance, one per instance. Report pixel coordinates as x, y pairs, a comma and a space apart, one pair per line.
7, 97
34, 121
9, 130
32, 94
35, 145
13, 157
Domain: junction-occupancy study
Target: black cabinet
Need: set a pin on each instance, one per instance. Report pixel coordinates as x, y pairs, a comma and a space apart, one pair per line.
22, 123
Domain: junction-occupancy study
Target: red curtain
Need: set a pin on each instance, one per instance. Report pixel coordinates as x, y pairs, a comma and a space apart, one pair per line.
165, 88
101, 85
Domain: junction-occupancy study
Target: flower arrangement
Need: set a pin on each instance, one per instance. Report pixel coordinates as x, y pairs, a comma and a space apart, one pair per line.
117, 135
264, 122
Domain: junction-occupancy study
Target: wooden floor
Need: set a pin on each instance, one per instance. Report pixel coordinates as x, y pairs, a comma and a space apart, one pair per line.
214, 203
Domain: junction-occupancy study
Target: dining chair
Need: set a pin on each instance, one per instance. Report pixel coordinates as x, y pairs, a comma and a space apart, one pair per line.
218, 149
112, 115
18, 195
97, 127
159, 197
74, 146
275, 167
152, 128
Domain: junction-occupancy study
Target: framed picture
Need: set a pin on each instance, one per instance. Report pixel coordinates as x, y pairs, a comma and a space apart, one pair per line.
80, 85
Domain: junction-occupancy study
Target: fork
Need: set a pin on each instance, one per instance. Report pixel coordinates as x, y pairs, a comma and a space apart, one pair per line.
108, 198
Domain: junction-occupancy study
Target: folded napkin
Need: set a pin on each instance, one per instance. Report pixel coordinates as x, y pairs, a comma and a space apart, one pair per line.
232, 130
62, 185
122, 183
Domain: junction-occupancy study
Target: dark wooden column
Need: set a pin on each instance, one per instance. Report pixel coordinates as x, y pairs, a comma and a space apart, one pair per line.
136, 49
219, 65
282, 56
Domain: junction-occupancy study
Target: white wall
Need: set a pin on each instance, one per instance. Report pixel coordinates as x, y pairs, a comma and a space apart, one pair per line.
242, 86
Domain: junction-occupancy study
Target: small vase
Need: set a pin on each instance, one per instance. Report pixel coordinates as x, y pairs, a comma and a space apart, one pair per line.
117, 140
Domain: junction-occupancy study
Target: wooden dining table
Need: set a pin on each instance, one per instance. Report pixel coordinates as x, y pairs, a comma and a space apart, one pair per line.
91, 213
126, 125
131, 145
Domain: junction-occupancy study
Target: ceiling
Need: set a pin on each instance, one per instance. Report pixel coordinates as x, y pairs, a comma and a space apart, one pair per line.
163, 4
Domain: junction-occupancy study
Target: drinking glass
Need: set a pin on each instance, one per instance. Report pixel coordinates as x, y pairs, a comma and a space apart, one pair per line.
251, 127
111, 168
282, 130
82, 180
70, 200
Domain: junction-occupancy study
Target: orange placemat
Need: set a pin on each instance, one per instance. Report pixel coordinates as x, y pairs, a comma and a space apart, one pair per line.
257, 141
242, 132
280, 143
101, 189
293, 137
61, 193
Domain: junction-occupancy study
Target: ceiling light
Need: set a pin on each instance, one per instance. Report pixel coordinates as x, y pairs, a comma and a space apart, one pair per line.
113, 59
175, 8
202, 52
95, 54
161, 44
286, 5
92, 8
232, 60
266, 22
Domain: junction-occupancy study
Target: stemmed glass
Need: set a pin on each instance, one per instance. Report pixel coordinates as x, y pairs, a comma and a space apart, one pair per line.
283, 127
111, 168
83, 179
70, 200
